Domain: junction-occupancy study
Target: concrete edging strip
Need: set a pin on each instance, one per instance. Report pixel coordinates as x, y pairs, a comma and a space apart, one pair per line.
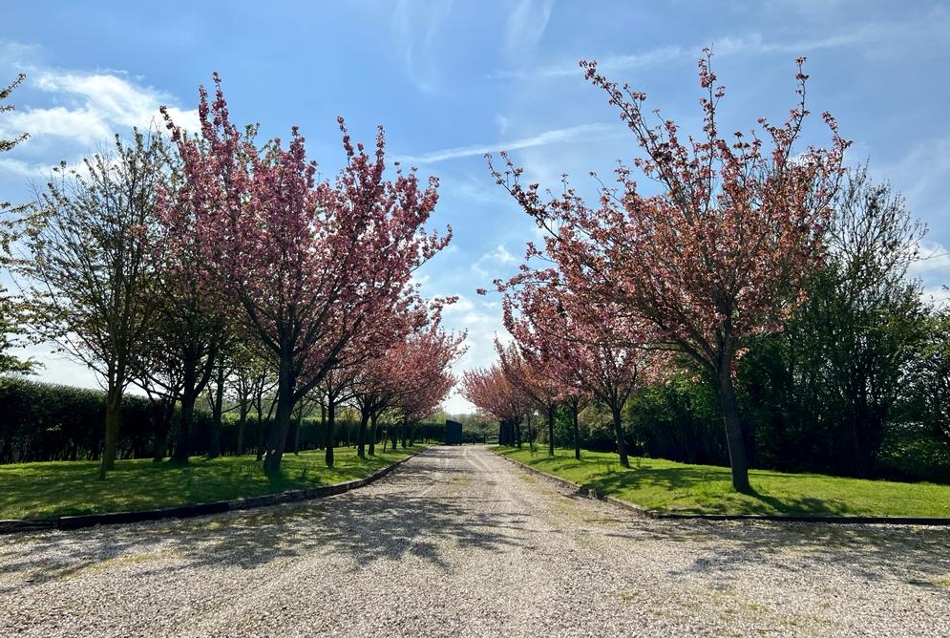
194, 509
790, 518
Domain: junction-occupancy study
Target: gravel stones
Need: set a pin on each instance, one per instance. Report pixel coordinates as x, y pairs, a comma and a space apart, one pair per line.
459, 542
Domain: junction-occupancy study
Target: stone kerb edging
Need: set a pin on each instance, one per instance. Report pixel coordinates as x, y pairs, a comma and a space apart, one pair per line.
789, 518
197, 509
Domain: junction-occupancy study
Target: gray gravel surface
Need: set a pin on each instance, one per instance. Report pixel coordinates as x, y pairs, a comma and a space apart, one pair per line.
459, 542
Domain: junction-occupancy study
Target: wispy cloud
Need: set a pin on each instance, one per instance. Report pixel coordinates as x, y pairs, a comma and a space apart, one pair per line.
933, 263
555, 136
647, 59
415, 25
925, 27
526, 25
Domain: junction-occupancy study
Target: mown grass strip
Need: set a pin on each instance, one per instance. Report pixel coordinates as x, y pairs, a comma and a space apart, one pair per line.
45, 490
679, 488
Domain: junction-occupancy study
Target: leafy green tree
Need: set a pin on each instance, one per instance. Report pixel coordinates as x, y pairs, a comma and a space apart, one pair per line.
8, 324
88, 264
833, 382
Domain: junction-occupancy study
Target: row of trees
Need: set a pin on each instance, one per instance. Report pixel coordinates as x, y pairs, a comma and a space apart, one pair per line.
210, 258
753, 268
44, 422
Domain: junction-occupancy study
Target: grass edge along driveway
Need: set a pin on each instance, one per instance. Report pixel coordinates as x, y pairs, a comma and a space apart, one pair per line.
46, 490
680, 488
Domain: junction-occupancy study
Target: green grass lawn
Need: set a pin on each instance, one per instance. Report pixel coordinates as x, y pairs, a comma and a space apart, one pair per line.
39, 490
671, 487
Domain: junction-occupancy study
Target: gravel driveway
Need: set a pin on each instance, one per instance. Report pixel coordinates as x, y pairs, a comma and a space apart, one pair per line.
459, 542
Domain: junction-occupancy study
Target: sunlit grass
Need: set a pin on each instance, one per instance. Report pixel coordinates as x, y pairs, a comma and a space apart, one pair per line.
38, 490
671, 487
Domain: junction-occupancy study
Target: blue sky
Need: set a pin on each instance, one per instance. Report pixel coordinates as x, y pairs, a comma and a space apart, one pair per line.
451, 80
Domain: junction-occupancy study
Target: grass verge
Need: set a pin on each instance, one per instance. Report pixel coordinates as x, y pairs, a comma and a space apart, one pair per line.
41, 490
680, 488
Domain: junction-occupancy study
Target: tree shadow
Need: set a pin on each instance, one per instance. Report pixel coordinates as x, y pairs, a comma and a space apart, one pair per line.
391, 522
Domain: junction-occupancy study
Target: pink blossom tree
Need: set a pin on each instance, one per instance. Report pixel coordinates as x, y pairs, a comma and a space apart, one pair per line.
311, 262
495, 396
582, 347
720, 252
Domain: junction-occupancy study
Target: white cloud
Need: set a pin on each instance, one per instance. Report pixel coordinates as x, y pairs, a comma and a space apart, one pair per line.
487, 267
555, 136
19, 168
89, 108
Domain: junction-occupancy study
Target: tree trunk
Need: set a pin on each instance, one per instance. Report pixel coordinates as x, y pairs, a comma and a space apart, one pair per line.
217, 408
618, 432
298, 424
166, 410
330, 432
575, 405
189, 394
733, 424
551, 409
242, 426
277, 440
393, 436
374, 434
361, 435
113, 411
183, 446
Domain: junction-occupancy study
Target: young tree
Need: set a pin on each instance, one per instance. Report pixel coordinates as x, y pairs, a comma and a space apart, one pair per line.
8, 323
720, 253
310, 262
88, 264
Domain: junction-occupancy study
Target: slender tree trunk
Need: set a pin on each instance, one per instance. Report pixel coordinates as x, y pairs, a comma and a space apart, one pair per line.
618, 432
575, 405
551, 409
733, 424
277, 440
113, 412
183, 446
163, 429
393, 435
361, 435
330, 431
189, 395
323, 426
217, 409
298, 424
242, 426
374, 434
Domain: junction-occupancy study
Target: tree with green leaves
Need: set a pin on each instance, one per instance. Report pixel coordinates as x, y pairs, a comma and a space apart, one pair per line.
8, 325
88, 264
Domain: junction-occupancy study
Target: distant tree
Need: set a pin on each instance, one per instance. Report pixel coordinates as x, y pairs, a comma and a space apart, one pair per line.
88, 264
310, 262
720, 254
494, 395
530, 374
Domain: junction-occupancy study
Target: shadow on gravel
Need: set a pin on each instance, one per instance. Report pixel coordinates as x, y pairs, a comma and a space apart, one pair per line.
867, 552
366, 526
